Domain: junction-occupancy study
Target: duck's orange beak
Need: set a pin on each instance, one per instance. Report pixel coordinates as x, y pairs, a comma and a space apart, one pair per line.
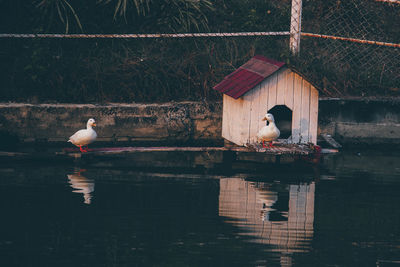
264, 119
94, 124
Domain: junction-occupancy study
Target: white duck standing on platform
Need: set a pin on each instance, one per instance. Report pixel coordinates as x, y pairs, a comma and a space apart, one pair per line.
85, 136
269, 132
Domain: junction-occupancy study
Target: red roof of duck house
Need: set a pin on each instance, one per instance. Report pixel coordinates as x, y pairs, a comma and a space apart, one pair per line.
248, 75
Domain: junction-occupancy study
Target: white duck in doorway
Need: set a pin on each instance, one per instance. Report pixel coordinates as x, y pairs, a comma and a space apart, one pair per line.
269, 132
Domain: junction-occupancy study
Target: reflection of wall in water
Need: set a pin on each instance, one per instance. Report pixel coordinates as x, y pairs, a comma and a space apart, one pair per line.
82, 185
250, 206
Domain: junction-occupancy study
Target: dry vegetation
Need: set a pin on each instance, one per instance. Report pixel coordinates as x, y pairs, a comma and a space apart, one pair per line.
158, 70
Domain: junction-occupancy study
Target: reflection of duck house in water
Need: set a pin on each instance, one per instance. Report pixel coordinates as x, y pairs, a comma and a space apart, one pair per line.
287, 214
264, 85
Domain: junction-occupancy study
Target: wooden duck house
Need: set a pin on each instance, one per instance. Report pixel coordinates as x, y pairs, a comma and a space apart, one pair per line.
264, 85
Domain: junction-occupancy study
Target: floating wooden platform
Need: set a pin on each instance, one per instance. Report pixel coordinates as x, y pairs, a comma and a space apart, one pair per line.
287, 149
218, 159
186, 159
284, 149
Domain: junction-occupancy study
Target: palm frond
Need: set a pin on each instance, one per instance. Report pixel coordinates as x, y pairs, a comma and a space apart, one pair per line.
63, 10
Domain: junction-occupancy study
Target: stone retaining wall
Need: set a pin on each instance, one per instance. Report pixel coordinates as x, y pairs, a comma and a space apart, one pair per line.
361, 121
180, 122
349, 121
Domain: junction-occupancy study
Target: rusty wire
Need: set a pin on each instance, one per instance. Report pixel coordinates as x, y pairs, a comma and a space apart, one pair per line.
355, 40
389, 1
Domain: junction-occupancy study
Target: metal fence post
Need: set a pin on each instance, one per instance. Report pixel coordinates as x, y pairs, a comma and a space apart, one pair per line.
295, 26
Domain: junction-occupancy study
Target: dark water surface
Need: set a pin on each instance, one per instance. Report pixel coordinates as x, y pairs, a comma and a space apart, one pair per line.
343, 213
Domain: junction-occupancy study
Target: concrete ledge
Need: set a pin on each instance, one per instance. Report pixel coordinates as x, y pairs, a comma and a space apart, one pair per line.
347, 120
361, 121
179, 122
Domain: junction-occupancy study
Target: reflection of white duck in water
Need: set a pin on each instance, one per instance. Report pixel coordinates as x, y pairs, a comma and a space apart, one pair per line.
268, 198
82, 185
269, 132
85, 136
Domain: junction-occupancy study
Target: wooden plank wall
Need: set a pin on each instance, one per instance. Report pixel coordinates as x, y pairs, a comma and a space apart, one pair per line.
242, 117
232, 118
313, 115
305, 111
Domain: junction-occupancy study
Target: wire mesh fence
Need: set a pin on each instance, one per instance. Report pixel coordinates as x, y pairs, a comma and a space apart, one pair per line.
166, 67
185, 66
351, 67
